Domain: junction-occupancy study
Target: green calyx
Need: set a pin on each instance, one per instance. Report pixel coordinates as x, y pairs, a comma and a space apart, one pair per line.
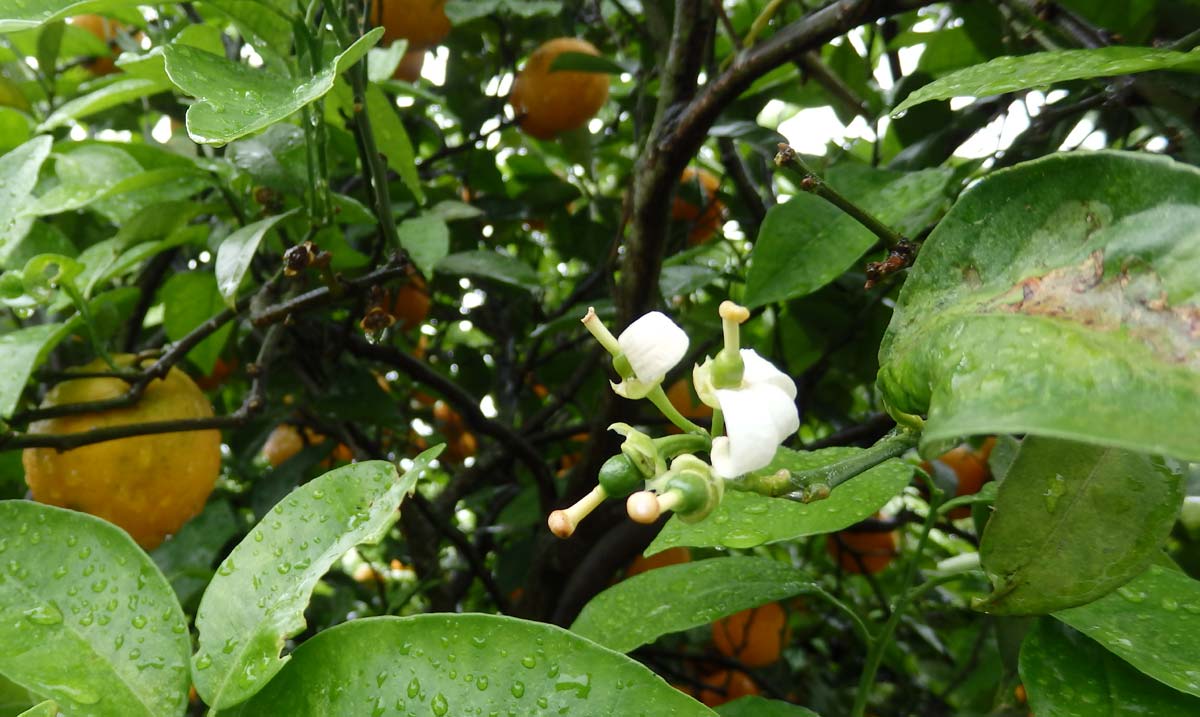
696, 490
619, 476
728, 369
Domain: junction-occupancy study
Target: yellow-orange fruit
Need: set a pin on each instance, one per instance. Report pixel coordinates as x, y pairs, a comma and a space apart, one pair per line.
552, 102
971, 467
222, 370
725, 686
754, 637
410, 66
862, 550
106, 31
149, 485
411, 306
705, 219
681, 397
422, 22
670, 556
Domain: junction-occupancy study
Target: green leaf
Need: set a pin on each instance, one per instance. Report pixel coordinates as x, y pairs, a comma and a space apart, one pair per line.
674, 598
22, 350
426, 239
237, 252
754, 706
14, 699
187, 558
190, 299
744, 520
234, 100
18, 175
49, 708
1057, 298
1151, 623
85, 174
490, 265
807, 242
1009, 74
258, 597
1052, 542
86, 618
392, 140
453, 210
17, 15
118, 93
462, 664
1067, 675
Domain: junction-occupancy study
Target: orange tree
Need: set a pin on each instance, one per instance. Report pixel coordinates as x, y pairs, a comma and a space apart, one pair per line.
383, 239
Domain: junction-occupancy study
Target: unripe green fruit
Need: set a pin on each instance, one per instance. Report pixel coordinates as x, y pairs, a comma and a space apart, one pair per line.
619, 477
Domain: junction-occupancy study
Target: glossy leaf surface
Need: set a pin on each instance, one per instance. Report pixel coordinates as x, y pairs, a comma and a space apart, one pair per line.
1047, 287
1052, 542
86, 618
462, 664
677, 597
257, 599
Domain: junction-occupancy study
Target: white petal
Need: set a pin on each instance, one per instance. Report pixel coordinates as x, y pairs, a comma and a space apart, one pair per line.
757, 419
760, 371
653, 344
702, 380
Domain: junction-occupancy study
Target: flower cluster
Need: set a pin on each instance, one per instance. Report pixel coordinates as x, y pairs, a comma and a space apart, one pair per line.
754, 412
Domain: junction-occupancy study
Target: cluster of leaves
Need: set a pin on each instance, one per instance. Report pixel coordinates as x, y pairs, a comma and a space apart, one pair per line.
251, 190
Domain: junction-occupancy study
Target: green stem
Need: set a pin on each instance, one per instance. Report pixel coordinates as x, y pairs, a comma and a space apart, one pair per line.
855, 619
659, 398
811, 182
671, 446
718, 423
806, 486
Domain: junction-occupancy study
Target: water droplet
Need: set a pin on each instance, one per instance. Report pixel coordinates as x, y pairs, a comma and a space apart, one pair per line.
380, 679
318, 494
1170, 604
743, 538
482, 683
203, 661
135, 653
258, 536
60, 571
1133, 596
118, 641
72, 541
179, 628
439, 705
479, 641
226, 568
88, 570
99, 585
47, 614
414, 688
138, 621
283, 568
518, 689
528, 662
581, 685
230, 645
1055, 488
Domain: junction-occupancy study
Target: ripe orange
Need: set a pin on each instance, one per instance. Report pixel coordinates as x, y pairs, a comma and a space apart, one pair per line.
704, 220
725, 686
411, 305
856, 550
286, 441
460, 443
410, 66
971, 467
422, 22
670, 556
552, 102
106, 30
149, 485
755, 637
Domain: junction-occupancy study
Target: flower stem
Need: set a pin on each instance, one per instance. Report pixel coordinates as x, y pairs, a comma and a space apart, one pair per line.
659, 398
593, 324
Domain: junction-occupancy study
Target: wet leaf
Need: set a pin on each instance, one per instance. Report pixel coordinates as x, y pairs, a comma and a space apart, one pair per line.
186, 560
237, 252
1052, 542
490, 265
49, 708
1067, 675
189, 299
118, 93
1009, 74
16, 15
426, 239
234, 99
258, 596
678, 597
806, 242
23, 350
18, 175
86, 618
1151, 622
744, 520
1058, 298
462, 664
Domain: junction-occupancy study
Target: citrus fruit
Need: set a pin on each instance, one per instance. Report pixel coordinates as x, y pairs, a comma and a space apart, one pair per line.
411, 305
681, 397
725, 686
703, 219
410, 66
149, 485
106, 31
548, 103
754, 637
860, 551
422, 22
971, 468
286, 441
222, 370
670, 556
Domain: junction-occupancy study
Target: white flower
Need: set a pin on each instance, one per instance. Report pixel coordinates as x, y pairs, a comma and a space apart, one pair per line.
653, 345
759, 415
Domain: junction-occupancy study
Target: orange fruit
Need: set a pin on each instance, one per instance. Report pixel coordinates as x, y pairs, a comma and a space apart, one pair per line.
971, 467
286, 441
422, 22
704, 220
859, 550
670, 556
106, 31
222, 370
410, 66
1019, 693
460, 443
148, 485
411, 305
755, 637
725, 686
548, 103
681, 397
